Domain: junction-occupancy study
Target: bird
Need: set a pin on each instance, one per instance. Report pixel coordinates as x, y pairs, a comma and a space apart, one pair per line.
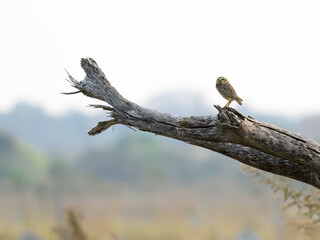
227, 91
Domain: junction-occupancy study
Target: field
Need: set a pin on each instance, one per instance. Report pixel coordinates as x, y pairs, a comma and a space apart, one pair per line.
173, 213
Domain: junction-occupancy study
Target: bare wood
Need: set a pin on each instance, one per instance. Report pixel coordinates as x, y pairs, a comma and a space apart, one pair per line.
255, 143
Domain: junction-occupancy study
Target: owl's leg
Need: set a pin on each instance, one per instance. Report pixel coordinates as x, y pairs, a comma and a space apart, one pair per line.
228, 103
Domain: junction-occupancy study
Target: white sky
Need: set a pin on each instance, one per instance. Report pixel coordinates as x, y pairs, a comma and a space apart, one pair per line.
269, 50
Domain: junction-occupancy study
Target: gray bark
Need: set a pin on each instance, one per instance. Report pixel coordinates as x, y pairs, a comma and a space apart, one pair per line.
255, 143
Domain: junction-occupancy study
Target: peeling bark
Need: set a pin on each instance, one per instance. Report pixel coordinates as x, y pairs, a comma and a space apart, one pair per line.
255, 143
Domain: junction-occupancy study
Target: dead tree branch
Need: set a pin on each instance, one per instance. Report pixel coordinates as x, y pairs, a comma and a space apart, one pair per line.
255, 143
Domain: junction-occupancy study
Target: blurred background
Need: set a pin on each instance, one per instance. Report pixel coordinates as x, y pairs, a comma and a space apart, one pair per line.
164, 55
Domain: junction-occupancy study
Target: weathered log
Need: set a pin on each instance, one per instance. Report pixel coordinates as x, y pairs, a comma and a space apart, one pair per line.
255, 143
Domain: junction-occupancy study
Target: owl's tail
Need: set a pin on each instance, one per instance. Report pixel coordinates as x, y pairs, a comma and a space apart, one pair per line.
239, 101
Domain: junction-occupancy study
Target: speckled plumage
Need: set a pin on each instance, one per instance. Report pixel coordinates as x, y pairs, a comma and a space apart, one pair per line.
227, 91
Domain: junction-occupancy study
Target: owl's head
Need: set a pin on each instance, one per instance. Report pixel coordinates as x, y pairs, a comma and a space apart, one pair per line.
221, 80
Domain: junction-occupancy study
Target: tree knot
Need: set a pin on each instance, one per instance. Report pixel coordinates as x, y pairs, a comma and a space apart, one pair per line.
229, 116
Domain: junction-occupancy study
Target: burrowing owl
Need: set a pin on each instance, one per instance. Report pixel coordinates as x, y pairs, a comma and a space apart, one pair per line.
227, 91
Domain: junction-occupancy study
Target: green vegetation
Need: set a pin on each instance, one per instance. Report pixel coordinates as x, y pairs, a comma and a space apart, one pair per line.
19, 165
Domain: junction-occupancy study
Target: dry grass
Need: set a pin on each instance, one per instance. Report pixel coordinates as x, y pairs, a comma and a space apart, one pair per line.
173, 214
73, 229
